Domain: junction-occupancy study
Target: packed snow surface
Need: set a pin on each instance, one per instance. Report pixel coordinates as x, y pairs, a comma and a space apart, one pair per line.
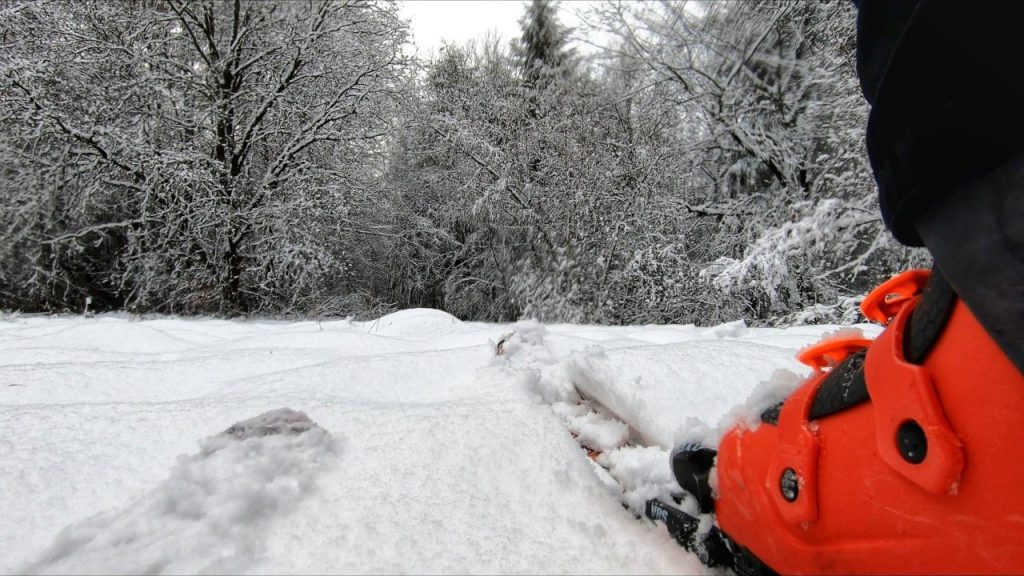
400, 445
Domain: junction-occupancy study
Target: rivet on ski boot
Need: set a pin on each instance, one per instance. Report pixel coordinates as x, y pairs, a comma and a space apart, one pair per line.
912, 442
789, 484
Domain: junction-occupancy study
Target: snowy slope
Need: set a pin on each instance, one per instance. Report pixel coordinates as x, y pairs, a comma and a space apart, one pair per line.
422, 452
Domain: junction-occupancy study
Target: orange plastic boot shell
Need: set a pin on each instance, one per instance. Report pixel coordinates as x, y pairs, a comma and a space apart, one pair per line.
860, 507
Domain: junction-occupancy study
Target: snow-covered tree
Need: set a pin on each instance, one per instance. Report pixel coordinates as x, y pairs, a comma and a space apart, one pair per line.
542, 48
193, 155
781, 180
536, 199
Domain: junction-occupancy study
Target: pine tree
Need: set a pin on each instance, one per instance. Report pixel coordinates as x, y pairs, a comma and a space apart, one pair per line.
542, 48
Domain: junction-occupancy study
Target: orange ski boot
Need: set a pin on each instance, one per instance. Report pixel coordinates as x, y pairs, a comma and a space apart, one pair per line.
902, 455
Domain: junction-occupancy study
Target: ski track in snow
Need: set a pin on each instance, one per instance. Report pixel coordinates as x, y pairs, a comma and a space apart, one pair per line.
428, 454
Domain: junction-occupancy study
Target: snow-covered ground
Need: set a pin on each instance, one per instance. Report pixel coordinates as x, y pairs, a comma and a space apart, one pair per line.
408, 446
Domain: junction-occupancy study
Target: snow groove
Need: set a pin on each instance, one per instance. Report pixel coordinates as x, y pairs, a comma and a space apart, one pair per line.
634, 472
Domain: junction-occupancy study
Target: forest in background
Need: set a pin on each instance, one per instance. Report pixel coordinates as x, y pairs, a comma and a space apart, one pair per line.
291, 158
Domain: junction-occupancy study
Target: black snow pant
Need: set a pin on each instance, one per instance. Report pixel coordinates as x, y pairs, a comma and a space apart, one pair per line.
945, 137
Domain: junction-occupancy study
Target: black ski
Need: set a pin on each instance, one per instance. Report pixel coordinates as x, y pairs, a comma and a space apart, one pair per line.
712, 547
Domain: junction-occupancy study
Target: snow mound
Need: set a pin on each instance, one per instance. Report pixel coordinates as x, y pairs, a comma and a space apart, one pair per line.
213, 511
281, 421
525, 341
414, 323
599, 432
733, 329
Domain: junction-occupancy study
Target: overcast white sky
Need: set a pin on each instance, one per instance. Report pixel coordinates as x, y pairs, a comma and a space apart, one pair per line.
459, 20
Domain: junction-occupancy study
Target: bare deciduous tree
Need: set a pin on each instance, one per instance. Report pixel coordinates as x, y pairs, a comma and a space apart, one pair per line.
195, 155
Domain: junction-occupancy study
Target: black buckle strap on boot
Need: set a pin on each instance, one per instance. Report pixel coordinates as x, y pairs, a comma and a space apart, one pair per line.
843, 388
929, 318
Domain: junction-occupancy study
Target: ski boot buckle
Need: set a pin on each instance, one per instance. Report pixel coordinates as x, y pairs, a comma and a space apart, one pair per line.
831, 352
883, 303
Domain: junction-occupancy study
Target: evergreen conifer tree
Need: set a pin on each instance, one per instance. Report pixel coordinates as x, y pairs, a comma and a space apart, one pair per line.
542, 47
